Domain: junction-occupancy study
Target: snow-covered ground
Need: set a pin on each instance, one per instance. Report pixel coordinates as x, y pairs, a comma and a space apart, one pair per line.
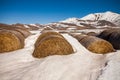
81, 65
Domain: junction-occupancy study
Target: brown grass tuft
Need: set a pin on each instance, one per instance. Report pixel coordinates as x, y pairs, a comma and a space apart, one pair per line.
52, 45
10, 41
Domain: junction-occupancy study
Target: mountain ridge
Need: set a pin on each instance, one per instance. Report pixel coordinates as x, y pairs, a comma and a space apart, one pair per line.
108, 16
98, 20
91, 21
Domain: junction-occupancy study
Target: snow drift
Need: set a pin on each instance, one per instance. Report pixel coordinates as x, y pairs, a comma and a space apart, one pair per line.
82, 65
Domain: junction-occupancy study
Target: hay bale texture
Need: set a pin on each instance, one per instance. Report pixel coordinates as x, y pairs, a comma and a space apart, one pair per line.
23, 31
10, 40
113, 36
12, 37
79, 37
47, 29
91, 34
51, 43
46, 34
95, 44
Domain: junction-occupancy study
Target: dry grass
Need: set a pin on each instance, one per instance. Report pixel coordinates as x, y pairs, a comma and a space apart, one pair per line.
113, 36
10, 41
52, 45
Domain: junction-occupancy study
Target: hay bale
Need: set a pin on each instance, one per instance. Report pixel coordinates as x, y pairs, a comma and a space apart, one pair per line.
113, 36
17, 34
44, 31
45, 34
105, 34
92, 34
79, 37
95, 44
23, 31
10, 41
47, 29
19, 25
20, 37
52, 45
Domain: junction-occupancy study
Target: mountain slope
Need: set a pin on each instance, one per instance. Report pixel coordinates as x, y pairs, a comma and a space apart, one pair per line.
108, 16
96, 20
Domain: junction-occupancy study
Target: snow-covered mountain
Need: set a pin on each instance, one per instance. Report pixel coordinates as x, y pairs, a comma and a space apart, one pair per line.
108, 16
96, 20
91, 21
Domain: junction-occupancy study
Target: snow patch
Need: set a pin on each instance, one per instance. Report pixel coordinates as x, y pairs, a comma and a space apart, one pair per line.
82, 64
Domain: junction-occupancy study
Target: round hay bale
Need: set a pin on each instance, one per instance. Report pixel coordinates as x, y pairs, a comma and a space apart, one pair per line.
52, 45
24, 32
18, 25
17, 34
20, 36
92, 34
44, 31
45, 34
10, 41
105, 34
79, 37
114, 39
96, 45
113, 36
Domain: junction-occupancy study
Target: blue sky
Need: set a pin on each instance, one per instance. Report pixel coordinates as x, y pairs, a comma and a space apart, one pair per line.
46, 11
